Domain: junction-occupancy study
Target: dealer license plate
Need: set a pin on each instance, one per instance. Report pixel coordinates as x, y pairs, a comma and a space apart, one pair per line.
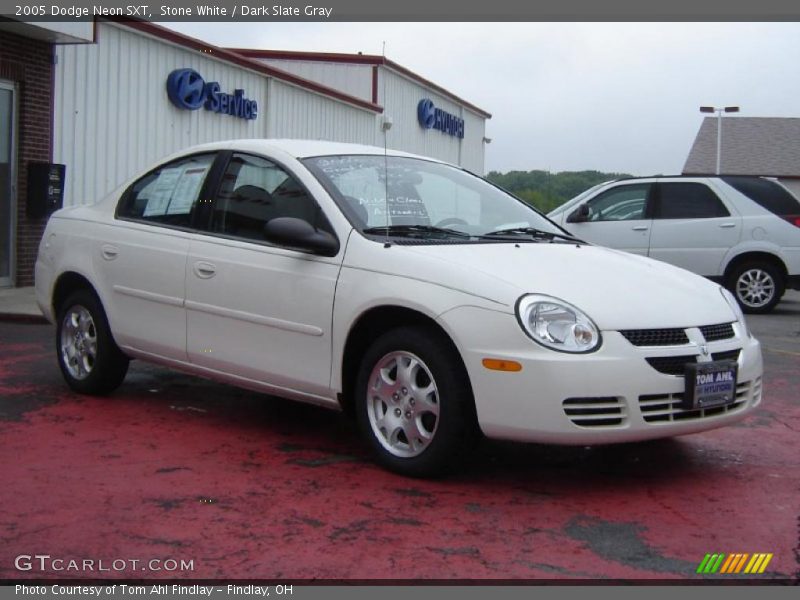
710, 384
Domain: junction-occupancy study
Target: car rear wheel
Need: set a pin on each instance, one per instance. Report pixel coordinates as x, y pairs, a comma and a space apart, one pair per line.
757, 286
90, 360
414, 402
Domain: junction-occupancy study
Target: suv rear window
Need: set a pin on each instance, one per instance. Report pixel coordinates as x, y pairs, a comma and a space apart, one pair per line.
766, 194
688, 200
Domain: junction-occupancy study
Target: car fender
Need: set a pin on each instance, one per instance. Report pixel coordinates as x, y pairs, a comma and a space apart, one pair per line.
749, 246
387, 290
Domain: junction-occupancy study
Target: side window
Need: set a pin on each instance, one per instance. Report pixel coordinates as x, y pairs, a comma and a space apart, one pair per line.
622, 203
688, 201
254, 191
167, 195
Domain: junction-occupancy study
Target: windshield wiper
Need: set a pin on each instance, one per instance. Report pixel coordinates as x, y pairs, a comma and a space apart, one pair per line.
533, 232
410, 230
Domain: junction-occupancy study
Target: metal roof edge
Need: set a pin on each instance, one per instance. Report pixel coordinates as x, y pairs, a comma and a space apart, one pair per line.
231, 57
362, 59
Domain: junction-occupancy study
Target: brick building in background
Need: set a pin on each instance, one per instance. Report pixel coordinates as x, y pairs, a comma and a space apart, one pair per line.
26, 134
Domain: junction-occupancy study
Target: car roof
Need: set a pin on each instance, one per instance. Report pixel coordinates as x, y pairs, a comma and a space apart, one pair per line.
301, 148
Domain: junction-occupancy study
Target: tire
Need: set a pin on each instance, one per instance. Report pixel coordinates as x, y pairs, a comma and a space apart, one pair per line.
90, 360
422, 422
757, 286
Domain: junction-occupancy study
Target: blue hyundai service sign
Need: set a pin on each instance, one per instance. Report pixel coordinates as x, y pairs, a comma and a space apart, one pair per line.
431, 117
187, 90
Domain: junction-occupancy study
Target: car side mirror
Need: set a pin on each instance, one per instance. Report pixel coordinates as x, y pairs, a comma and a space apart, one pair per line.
300, 234
579, 215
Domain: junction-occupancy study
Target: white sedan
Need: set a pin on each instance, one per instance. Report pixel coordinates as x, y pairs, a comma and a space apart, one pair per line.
408, 292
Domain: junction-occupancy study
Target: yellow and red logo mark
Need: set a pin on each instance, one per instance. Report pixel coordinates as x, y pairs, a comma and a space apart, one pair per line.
734, 563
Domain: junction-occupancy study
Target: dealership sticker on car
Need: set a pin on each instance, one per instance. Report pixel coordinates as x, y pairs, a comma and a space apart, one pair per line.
710, 384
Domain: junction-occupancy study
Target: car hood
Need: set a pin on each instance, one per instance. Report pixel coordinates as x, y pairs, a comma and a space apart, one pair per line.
616, 289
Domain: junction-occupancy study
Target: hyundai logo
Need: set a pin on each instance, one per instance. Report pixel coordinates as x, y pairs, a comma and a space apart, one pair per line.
426, 113
186, 89
431, 117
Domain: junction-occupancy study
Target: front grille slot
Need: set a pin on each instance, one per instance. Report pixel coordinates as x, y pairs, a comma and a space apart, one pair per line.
712, 333
656, 337
676, 365
728, 355
671, 365
666, 408
595, 412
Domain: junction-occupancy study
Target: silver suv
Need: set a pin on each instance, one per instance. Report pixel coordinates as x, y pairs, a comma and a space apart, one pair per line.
743, 232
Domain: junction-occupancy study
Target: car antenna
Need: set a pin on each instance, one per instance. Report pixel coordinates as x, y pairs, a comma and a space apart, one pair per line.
386, 243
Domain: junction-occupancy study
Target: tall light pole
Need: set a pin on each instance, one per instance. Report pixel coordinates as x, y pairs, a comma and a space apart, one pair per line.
719, 111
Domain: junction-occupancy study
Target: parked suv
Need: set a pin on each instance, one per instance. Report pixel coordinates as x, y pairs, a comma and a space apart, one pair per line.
743, 232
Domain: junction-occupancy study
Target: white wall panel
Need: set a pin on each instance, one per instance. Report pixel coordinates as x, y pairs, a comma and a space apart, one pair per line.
354, 80
400, 96
113, 117
296, 114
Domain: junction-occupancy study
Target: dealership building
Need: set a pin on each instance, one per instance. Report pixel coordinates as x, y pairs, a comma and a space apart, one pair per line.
84, 106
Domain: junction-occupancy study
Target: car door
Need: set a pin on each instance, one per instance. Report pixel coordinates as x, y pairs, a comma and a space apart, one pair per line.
141, 257
692, 226
257, 310
618, 218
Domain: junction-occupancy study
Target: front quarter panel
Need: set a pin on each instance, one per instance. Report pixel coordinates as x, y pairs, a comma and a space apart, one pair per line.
359, 290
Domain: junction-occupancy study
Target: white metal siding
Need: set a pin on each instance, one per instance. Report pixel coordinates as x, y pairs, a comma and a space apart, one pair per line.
354, 80
296, 114
113, 117
400, 98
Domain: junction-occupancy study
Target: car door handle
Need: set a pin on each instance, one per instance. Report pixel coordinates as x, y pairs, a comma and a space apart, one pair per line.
109, 252
727, 225
640, 228
204, 270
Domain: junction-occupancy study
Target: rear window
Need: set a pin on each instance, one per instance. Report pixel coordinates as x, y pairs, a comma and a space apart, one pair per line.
688, 200
767, 194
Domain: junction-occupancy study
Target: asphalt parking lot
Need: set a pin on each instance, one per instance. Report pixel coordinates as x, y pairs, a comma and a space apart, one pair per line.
246, 486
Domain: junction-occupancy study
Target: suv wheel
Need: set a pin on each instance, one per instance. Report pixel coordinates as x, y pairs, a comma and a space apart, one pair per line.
414, 402
88, 357
757, 286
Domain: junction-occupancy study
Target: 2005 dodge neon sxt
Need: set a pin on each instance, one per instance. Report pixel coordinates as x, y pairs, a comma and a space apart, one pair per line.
415, 295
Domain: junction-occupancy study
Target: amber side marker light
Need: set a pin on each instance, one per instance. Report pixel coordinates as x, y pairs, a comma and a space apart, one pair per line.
495, 364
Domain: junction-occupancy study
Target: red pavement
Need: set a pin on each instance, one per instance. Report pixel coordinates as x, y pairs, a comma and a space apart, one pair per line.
247, 486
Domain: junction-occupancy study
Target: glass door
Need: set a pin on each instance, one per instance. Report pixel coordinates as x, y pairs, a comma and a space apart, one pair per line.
8, 202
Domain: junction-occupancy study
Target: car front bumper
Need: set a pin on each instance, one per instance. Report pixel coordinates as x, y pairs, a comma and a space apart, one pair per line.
608, 396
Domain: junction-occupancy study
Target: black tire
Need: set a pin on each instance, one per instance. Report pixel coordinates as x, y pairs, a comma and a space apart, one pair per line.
443, 439
757, 286
81, 326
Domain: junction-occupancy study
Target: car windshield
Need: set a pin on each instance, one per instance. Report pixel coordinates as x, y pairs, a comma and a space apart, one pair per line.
425, 199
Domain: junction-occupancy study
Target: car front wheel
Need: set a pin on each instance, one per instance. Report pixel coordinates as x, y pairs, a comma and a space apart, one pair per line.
414, 403
757, 286
88, 357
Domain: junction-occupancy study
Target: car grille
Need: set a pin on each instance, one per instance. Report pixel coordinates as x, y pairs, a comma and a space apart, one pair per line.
676, 365
656, 337
729, 355
712, 333
595, 412
666, 408
676, 336
671, 365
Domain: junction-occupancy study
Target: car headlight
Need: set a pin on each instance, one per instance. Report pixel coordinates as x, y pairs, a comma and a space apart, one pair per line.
737, 310
557, 324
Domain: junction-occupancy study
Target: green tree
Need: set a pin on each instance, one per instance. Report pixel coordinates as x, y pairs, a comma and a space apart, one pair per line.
545, 190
